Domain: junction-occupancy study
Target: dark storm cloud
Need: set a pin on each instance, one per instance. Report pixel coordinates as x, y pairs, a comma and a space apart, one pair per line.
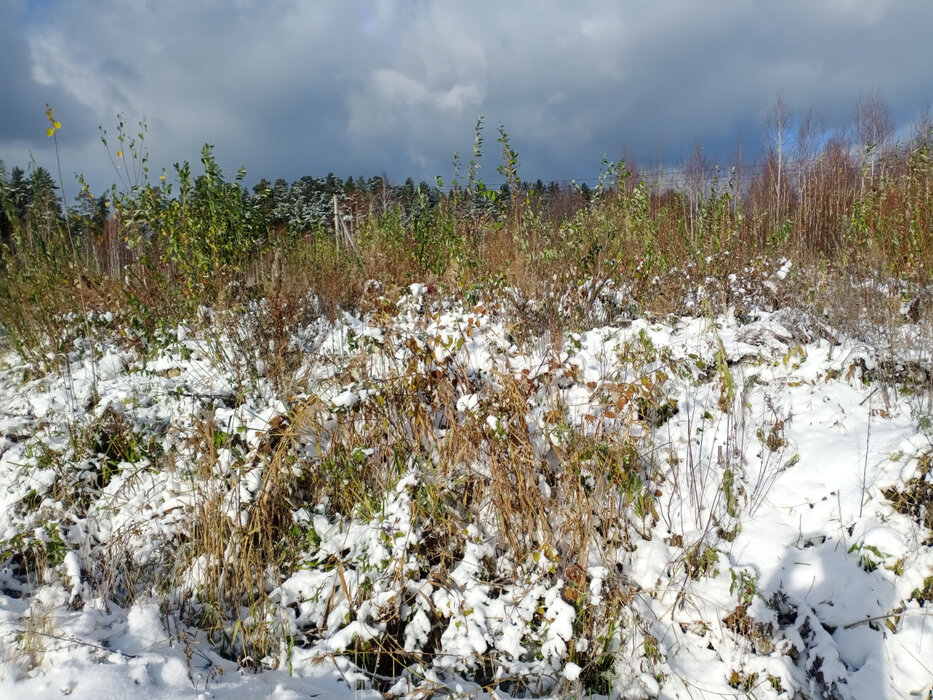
365, 86
22, 118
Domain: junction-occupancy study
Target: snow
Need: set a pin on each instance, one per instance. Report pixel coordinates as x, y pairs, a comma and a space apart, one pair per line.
346, 399
769, 558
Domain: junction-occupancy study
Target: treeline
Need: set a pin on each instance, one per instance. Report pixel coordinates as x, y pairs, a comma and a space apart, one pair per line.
308, 201
304, 205
858, 201
34, 197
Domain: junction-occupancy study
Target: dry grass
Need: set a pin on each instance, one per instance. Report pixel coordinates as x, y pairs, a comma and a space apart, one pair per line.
861, 244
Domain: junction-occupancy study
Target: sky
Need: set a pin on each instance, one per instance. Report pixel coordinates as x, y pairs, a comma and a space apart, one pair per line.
287, 88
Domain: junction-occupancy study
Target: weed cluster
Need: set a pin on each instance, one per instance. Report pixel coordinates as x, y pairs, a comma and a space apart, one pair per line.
391, 492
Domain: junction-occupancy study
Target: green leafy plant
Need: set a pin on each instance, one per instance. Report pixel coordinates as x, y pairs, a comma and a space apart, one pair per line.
870, 557
743, 585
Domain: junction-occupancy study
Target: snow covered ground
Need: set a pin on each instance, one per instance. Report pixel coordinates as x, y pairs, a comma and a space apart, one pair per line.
688, 508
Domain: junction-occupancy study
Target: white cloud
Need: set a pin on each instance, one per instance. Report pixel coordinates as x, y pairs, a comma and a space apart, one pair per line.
864, 12
460, 99
393, 88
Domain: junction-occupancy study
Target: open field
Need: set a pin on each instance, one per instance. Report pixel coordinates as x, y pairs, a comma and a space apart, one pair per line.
657, 438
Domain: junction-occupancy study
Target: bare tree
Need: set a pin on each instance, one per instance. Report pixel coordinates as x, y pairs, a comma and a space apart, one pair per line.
738, 169
807, 148
778, 119
873, 128
697, 177
923, 129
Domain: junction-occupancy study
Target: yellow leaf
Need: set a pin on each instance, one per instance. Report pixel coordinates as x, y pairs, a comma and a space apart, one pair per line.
119, 154
50, 114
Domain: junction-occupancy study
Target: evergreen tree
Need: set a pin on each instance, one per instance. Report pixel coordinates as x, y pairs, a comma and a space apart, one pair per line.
89, 214
262, 188
18, 191
263, 203
7, 206
41, 195
406, 195
333, 184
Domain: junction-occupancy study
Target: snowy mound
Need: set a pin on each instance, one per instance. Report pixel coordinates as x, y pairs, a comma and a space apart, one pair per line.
695, 508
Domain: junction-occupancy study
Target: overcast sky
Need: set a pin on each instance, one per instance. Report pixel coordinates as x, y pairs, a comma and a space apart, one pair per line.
288, 88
